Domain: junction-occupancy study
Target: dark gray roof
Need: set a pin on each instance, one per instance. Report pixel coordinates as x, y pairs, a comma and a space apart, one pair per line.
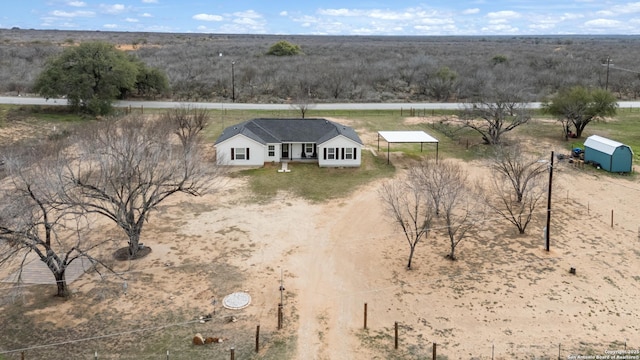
269, 131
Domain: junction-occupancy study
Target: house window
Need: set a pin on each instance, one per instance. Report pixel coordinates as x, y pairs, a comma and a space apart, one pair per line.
331, 153
308, 148
239, 153
348, 153
272, 150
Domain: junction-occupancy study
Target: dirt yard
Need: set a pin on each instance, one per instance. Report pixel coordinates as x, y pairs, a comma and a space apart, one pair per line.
504, 296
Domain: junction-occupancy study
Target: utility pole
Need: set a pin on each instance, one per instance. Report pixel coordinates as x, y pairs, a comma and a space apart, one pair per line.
233, 82
606, 83
547, 240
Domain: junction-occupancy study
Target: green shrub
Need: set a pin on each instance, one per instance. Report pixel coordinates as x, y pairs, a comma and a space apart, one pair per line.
284, 48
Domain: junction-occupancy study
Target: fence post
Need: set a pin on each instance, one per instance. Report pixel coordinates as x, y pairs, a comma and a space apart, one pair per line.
22, 355
279, 316
95, 355
365, 307
167, 354
434, 352
611, 217
396, 335
258, 338
232, 352
559, 347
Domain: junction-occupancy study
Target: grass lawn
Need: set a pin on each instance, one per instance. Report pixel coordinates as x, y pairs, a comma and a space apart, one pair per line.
313, 183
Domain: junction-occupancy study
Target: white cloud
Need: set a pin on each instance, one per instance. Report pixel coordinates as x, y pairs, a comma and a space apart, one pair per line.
110, 26
571, 16
374, 14
150, 1
250, 20
284, 13
207, 17
501, 29
245, 21
77, 3
72, 14
605, 13
602, 23
506, 14
131, 20
629, 8
147, 15
435, 21
471, 11
390, 15
112, 9
336, 12
248, 14
542, 26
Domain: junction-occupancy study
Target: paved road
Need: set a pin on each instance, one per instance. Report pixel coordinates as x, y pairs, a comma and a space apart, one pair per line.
242, 106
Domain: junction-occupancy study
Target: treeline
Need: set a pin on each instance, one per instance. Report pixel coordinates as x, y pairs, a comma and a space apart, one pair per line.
214, 67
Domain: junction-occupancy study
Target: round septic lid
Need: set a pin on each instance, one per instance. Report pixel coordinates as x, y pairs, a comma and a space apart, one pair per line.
237, 300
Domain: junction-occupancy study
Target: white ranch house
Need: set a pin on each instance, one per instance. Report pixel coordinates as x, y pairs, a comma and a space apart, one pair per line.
259, 141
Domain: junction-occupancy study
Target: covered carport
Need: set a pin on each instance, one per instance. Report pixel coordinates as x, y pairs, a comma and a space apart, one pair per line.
407, 137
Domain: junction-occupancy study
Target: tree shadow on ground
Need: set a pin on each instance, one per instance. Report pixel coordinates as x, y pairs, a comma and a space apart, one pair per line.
122, 254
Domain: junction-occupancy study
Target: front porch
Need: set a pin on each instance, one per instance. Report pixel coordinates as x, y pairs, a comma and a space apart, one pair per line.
299, 152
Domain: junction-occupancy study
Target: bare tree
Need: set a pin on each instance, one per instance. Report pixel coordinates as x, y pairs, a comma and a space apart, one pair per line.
492, 119
129, 166
303, 104
410, 208
435, 179
455, 204
461, 211
33, 219
520, 170
187, 122
517, 186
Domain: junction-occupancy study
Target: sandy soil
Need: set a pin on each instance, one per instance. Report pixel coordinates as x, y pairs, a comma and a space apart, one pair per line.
505, 291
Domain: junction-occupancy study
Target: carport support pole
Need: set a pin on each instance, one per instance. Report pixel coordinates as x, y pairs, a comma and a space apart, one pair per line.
546, 238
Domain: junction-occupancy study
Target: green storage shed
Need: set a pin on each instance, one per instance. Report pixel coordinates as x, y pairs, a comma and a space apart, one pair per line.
609, 154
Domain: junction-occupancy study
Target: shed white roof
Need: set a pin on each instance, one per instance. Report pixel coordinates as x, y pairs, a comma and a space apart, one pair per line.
602, 144
407, 137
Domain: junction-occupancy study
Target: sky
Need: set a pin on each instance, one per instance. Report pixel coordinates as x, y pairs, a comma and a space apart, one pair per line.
329, 17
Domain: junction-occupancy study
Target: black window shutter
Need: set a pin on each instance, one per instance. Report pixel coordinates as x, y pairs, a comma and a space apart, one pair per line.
247, 153
355, 151
342, 156
325, 153
232, 154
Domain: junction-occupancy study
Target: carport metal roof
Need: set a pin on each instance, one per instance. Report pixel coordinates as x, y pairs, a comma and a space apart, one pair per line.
406, 137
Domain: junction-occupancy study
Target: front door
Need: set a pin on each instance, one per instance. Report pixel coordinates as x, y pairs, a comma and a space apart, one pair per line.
285, 151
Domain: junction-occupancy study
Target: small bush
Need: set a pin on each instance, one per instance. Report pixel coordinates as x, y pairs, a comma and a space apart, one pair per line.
284, 48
